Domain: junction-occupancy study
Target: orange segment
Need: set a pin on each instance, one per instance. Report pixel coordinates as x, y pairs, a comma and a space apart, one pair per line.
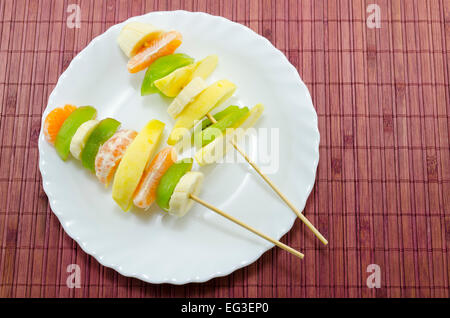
54, 121
164, 44
110, 154
145, 193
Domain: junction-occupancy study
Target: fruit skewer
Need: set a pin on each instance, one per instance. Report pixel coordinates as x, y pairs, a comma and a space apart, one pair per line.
233, 142
171, 68
103, 148
281, 245
275, 188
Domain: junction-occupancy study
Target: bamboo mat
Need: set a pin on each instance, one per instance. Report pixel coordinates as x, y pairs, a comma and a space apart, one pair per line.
382, 194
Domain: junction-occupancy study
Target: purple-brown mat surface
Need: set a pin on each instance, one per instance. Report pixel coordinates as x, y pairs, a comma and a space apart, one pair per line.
382, 193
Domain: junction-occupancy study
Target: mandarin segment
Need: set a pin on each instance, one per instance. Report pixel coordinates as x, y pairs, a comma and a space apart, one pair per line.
110, 154
164, 44
54, 121
146, 191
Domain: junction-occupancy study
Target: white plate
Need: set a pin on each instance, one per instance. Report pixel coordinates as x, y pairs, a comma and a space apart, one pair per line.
159, 248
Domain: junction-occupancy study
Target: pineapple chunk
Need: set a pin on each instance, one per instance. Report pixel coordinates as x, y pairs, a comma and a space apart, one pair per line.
171, 85
206, 66
211, 97
134, 161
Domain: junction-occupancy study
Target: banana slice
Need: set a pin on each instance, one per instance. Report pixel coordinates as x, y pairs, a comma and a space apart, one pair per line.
81, 135
136, 34
217, 149
187, 95
180, 201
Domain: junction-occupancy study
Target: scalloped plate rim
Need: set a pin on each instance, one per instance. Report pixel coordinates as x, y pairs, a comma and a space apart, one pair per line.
83, 245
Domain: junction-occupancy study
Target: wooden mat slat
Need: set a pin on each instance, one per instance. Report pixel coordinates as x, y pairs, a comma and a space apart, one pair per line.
382, 193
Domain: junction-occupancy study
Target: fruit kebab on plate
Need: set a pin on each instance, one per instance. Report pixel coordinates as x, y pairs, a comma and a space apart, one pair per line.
176, 75
123, 156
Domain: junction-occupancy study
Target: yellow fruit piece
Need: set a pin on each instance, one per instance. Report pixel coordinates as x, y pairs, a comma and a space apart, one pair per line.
211, 97
134, 35
171, 85
133, 163
251, 118
206, 66
215, 150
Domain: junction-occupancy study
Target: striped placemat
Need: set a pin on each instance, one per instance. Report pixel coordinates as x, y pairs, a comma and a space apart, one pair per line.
382, 194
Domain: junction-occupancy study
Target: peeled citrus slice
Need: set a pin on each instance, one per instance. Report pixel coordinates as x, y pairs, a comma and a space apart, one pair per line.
164, 44
110, 154
134, 161
69, 128
54, 121
146, 191
104, 130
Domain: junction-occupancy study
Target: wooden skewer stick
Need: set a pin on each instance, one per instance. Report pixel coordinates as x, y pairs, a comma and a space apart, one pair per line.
233, 219
275, 188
